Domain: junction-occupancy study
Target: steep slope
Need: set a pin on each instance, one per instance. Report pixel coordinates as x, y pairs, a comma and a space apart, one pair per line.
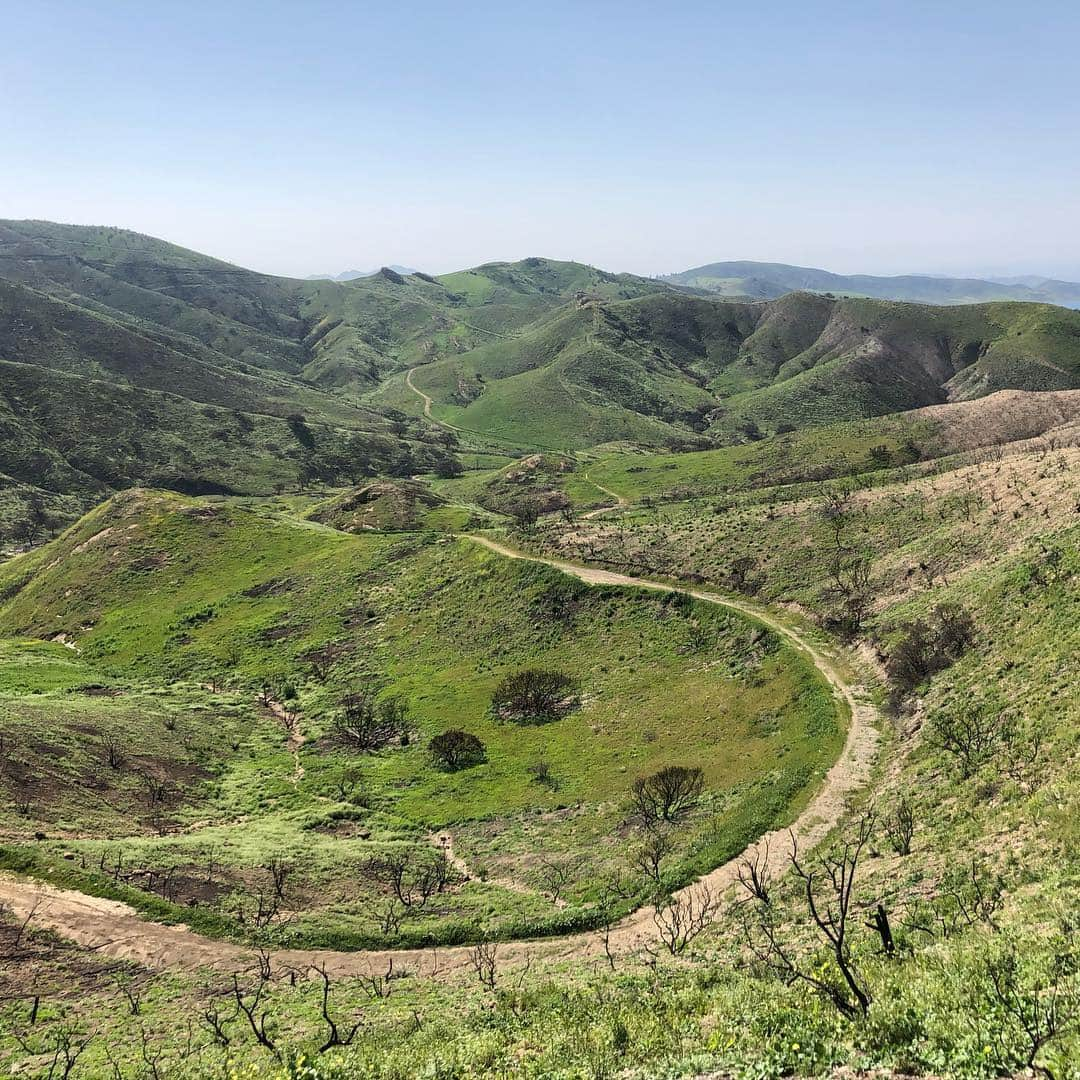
768, 280
340, 334
666, 368
89, 404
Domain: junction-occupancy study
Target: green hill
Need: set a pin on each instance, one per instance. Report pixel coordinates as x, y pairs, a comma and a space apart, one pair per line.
129, 360
669, 370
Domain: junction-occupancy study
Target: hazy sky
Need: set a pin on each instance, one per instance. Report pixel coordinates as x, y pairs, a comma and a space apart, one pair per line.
306, 137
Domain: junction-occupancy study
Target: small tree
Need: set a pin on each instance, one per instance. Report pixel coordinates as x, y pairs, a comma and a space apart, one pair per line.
648, 857
971, 733
900, 826
535, 696
454, 750
681, 918
525, 511
367, 723
667, 795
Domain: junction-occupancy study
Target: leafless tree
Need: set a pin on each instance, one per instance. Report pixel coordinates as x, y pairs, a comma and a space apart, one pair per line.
61, 1044
535, 695
336, 1036
379, 987
681, 918
279, 870
412, 877
975, 894
248, 1002
555, 874
900, 826
649, 855
668, 794
482, 957
217, 1022
754, 875
1037, 1007
115, 757
830, 912
972, 733
366, 722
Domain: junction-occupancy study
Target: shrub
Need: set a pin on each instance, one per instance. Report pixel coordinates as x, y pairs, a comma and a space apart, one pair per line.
367, 723
667, 795
927, 647
535, 695
454, 750
971, 733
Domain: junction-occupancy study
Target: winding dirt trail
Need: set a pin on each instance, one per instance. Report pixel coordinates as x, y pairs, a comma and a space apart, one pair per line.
620, 501
425, 398
115, 929
294, 735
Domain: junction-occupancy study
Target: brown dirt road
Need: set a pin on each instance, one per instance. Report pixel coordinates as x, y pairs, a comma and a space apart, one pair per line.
114, 929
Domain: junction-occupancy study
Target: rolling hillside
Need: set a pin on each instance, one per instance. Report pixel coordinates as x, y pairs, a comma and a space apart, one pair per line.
677, 370
128, 360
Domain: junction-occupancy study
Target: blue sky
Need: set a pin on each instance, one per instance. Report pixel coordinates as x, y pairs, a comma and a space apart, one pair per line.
306, 137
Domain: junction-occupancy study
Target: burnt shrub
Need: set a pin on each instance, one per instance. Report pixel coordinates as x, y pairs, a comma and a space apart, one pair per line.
454, 750
928, 646
667, 795
535, 696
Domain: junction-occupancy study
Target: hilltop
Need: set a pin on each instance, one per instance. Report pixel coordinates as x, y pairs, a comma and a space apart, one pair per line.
130, 360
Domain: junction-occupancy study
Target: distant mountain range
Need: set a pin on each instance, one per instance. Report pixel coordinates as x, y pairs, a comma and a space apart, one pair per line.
352, 275
766, 281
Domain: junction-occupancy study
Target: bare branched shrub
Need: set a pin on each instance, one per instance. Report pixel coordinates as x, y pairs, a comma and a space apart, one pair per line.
900, 826
1032, 1005
680, 918
413, 876
335, 1035
554, 875
754, 875
248, 1003
482, 958
535, 696
828, 888
60, 1046
972, 733
279, 870
648, 856
926, 647
379, 987
366, 722
974, 894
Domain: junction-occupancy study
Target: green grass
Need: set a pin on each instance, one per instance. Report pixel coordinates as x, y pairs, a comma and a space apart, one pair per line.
159, 590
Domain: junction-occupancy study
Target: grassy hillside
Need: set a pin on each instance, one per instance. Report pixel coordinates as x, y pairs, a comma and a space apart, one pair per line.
133, 313
244, 382
216, 602
981, 897
668, 370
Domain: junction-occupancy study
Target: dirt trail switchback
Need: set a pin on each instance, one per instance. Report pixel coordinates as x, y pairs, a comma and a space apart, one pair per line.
115, 929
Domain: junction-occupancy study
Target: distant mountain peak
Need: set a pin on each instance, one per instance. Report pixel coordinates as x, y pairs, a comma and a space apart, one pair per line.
352, 275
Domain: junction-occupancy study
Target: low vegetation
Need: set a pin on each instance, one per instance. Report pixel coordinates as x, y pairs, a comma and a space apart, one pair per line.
384, 802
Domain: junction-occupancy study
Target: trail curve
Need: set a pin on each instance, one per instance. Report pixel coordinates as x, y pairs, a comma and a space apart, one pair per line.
115, 929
